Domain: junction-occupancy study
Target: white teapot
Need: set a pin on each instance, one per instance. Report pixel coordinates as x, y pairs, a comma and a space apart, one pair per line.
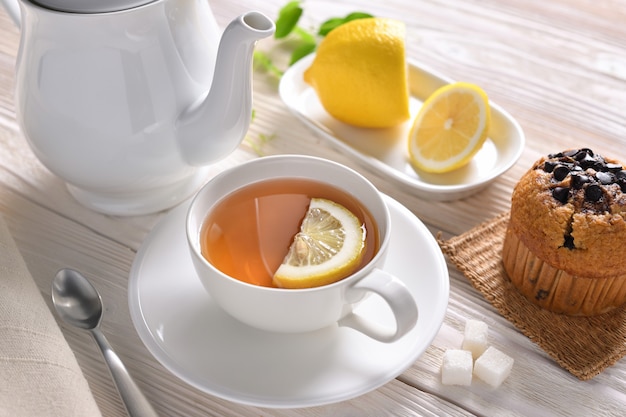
128, 101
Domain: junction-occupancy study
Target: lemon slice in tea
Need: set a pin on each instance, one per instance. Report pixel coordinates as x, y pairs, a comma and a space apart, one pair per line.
328, 247
450, 128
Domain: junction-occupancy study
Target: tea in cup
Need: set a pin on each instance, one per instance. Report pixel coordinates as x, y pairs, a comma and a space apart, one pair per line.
240, 229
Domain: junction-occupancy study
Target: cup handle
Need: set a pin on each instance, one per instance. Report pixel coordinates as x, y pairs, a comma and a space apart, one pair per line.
395, 294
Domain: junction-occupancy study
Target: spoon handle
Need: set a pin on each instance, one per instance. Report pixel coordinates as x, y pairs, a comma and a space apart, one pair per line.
136, 403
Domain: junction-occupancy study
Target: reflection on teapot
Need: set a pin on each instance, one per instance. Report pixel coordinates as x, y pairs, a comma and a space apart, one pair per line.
130, 106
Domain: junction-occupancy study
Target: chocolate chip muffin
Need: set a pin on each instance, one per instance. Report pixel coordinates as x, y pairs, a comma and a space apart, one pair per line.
565, 246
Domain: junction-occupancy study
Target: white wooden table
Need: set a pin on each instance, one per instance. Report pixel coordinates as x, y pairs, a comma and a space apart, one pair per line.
559, 67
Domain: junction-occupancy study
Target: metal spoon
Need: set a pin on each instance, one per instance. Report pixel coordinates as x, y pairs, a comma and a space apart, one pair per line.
78, 303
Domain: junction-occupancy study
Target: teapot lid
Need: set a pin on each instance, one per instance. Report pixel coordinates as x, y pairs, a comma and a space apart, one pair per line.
90, 6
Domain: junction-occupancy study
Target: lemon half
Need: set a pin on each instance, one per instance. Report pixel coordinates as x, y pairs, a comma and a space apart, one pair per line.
328, 247
360, 74
451, 126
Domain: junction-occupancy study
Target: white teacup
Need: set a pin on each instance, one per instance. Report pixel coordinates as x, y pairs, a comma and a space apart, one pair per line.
303, 310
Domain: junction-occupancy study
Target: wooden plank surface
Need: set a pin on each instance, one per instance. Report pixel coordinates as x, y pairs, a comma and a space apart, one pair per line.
559, 67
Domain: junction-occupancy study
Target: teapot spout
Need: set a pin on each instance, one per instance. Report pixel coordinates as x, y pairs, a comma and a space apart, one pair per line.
213, 127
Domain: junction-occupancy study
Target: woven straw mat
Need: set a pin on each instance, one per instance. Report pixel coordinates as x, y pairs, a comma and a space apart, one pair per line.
584, 346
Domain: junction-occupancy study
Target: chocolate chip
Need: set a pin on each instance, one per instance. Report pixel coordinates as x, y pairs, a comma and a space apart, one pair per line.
581, 154
578, 180
605, 178
542, 294
590, 162
548, 166
593, 193
621, 175
561, 194
587, 150
613, 167
560, 172
568, 242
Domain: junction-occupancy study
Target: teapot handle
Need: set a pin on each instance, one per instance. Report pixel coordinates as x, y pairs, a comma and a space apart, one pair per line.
13, 9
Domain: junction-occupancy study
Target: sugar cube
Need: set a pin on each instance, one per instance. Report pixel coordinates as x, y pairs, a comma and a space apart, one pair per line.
493, 366
456, 368
475, 337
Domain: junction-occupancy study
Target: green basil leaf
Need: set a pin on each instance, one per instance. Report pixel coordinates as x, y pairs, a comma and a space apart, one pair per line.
357, 15
329, 25
301, 51
304, 35
332, 23
288, 18
262, 62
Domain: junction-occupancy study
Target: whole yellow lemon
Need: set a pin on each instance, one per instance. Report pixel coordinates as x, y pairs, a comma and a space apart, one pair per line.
360, 74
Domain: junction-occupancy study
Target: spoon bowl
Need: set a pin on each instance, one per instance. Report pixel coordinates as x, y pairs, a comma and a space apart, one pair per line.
77, 302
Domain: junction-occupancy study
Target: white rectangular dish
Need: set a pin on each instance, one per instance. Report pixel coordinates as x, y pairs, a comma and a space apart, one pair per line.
385, 150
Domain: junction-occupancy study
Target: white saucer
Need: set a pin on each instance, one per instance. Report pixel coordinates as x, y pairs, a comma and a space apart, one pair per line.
198, 342
385, 150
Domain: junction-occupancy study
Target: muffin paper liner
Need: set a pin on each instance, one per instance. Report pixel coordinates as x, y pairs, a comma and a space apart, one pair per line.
584, 346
